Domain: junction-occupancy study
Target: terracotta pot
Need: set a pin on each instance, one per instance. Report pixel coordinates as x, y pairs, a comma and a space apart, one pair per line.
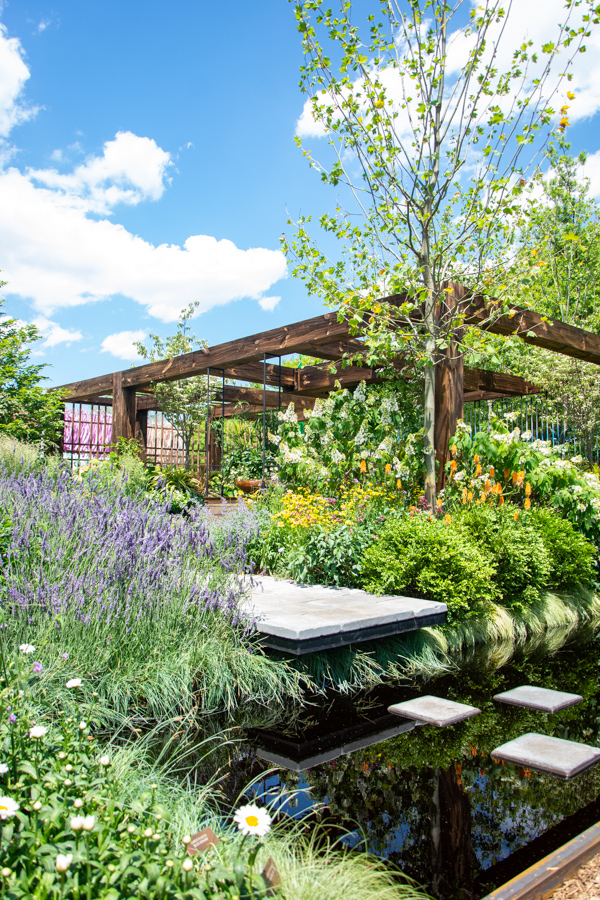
248, 485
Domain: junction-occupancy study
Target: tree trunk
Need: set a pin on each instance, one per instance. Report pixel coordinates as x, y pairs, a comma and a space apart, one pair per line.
429, 433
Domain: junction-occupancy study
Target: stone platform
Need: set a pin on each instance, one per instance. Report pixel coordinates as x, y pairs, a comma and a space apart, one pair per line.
306, 618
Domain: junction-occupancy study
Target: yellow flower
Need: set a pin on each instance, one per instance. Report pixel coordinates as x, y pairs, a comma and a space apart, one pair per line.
363, 465
388, 468
527, 503
516, 517
470, 496
477, 470
454, 450
464, 495
476, 459
453, 465
439, 501
528, 490
399, 485
447, 518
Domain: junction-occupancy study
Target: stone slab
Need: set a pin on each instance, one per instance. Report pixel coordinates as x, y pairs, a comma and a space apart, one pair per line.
434, 710
305, 618
533, 697
565, 759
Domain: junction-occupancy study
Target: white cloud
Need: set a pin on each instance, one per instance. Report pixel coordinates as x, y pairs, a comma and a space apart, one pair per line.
59, 249
131, 169
535, 20
54, 334
13, 75
121, 344
592, 171
268, 303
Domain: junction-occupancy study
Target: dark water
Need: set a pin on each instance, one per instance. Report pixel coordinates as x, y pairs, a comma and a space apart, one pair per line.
431, 800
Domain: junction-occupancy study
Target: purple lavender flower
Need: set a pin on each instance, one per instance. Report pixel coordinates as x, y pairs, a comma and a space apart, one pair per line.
38, 667
12, 718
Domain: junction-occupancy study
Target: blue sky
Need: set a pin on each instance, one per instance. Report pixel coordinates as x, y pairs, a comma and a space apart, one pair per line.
128, 129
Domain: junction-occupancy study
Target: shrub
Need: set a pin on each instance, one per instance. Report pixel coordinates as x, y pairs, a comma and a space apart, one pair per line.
431, 559
573, 558
522, 562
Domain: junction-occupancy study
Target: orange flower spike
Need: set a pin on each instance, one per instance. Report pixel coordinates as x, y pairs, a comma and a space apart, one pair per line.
363, 465
470, 496
488, 485
492, 472
465, 495
478, 471
388, 468
399, 485
447, 518
528, 490
506, 474
516, 517
476, 459
453, 465
454, 450
515, 477
458, 768
501, 501
527, 503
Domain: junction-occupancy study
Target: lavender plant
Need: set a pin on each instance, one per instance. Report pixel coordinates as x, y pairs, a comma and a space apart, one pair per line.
146, 604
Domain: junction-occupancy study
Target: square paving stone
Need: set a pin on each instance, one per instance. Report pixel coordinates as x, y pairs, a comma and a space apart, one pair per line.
434, 710
548, 754
538, 698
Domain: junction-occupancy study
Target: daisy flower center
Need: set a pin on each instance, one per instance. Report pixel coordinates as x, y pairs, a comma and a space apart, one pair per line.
252, 821
5, 809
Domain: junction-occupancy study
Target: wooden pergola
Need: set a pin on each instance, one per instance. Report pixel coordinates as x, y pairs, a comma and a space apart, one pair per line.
250, 359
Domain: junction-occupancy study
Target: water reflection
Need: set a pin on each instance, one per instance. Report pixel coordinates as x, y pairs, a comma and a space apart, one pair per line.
432, 800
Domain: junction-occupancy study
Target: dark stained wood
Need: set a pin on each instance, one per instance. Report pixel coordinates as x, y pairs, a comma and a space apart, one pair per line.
335, 351
254, 372
498, 382
472, 396
449, 387
540, 331
311, 379
124, 403
254, 397
141, 429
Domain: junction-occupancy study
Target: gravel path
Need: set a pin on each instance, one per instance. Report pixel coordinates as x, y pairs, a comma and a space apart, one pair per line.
584, 885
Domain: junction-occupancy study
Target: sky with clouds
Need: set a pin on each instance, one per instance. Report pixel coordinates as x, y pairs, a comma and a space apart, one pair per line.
147, 160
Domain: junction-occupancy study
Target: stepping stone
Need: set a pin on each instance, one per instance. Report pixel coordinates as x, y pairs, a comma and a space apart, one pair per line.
548, 754
434, 710
538, 698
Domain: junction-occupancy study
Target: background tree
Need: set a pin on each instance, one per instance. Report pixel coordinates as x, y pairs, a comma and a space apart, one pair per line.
182, 402
432, 126
27, 411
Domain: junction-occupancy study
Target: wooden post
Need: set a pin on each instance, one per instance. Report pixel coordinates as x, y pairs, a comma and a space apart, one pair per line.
123, 410
449, 391
141, 430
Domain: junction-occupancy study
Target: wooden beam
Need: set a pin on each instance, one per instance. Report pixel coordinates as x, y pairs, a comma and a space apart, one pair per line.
473, 396
335, 351
281, 341
498, 382
253, 372
123, 422
537, 330
314, 379
254, 397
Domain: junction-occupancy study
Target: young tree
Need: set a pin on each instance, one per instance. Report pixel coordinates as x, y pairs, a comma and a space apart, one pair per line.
433, 122
27, 411
560, 242
182, 402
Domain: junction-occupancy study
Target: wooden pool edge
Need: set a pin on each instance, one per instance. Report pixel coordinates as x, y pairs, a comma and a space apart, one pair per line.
540, 880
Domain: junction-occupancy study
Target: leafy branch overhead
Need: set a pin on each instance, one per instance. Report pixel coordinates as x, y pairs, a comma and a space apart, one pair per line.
434, 117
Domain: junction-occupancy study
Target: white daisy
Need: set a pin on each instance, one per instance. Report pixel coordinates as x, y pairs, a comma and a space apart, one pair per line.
63, 861
26, 648
74, 682
77, 822
252, 819
38, 731
3, 768
8, 808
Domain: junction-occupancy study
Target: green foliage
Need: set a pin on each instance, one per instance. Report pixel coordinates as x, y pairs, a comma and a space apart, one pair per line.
525, 472
178, 484
16, 456
523, 565
27, 411
423, 558
573, 559
363, 433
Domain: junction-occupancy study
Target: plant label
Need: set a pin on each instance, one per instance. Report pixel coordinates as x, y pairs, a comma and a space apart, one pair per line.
271, 873
202, 841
